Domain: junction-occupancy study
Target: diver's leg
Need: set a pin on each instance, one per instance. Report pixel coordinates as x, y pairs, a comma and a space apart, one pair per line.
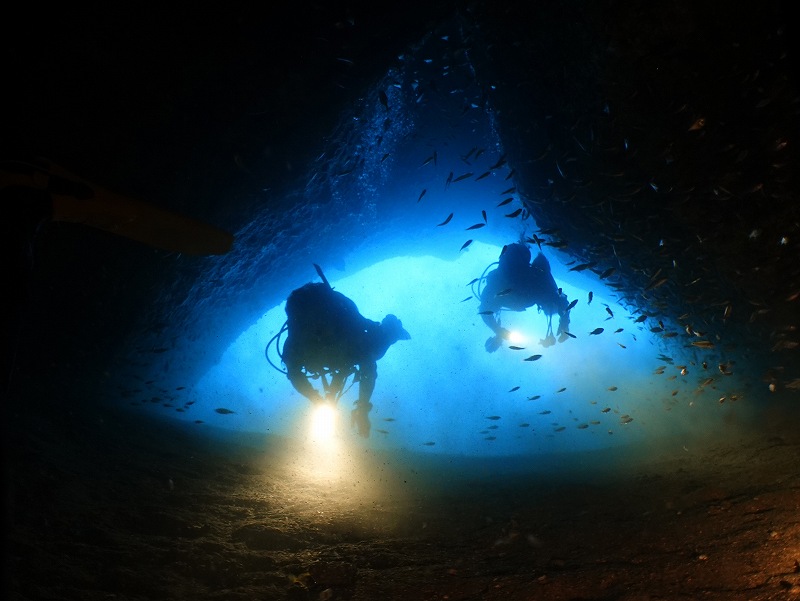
366, 385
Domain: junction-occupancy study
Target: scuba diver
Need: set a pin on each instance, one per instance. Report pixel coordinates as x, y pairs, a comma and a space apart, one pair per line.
517, 284
328, 339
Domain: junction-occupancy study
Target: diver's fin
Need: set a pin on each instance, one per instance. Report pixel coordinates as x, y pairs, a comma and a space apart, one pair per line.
322, 275
137, 220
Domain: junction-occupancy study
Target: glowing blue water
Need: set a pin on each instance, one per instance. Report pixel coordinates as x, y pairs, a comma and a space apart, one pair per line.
442, 387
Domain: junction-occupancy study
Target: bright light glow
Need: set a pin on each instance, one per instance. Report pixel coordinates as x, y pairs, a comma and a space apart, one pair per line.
437, 392
323, 424
515, 337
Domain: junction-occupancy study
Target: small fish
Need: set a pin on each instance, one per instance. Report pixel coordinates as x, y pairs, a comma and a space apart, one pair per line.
493, 417
495, 427
430, 443
608, 272
466, 244
477, 226
535, 397
591, 296
466, 299
613, 388
482, 175
699, 123
582, 426
421, 194
223, 411
483, 214
572, 305
505, 202
582, 266
656, 284
533, 358
382, 431
491, 438
524, 425
626, 419
545, 412
641, 318
388, 419
514, 389
561, 389
618, 330
609, 311
449, 180
463, 177
560, 429
606, 410
514, 213
500, 162
446, 221
596, 331
703, 344
570, 335
384, 157
511, 190
517, 348
487, 312
504, 292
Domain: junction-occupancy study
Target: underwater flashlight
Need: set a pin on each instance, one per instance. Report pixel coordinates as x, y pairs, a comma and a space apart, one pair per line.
323, 423
515, 337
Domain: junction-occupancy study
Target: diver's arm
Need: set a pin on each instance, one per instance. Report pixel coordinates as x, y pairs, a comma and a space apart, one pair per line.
302, 385
500, 333
368, 373
490, 320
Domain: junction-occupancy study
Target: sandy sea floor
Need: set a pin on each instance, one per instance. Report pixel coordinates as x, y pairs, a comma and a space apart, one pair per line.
121, 508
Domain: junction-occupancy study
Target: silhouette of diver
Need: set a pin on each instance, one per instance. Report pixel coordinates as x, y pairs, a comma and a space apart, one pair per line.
517, 284
328, 339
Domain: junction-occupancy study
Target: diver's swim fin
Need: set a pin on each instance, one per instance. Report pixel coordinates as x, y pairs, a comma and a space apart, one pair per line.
137, 220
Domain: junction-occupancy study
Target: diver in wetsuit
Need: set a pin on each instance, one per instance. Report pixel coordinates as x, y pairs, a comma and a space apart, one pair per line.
516, 284
327, 338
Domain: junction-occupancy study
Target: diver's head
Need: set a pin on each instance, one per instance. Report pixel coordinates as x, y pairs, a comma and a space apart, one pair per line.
515, 255
394, 328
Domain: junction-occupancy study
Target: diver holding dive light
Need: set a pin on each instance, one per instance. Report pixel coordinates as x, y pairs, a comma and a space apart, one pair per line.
519, 283
328, 339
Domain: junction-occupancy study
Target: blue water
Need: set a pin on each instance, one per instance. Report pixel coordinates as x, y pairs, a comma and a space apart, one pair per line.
369, 212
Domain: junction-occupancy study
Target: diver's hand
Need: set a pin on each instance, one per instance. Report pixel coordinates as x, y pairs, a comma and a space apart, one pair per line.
493, 343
